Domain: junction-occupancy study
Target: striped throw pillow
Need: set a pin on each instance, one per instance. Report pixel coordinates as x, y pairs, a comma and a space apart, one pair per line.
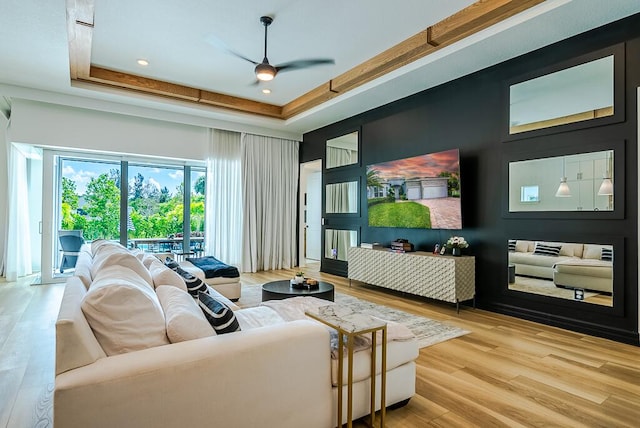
171, 264
219, 315
607, 254
512, 245
193, 283
546, 250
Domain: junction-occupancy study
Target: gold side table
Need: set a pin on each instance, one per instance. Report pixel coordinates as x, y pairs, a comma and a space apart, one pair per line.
350, 324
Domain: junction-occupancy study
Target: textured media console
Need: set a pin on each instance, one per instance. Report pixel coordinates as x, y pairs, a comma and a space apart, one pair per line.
447, 278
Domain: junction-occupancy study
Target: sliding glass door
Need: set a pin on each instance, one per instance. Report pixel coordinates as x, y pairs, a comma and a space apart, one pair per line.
147, 213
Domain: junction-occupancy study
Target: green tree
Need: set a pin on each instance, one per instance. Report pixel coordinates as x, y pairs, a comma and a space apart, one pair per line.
114, 174
179, 191
137, 189
69, 195
164, 195
103, 207
197, 214
373, 178
200, 185
453, 183
67, 218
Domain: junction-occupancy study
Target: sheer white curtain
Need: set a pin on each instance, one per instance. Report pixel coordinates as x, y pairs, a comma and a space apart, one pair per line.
270, 188
337, 156
223, 225
342, 197
17, 252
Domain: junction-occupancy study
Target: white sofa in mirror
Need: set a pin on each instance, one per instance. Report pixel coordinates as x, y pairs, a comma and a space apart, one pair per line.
579, 182
557, 269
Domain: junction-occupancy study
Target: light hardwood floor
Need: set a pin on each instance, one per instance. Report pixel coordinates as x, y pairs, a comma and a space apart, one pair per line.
507, 372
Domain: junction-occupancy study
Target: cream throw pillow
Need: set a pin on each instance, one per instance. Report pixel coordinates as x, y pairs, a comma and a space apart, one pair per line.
119, 256
124, 311
184, 319
594, 251
148, 259
522, 246
162, 275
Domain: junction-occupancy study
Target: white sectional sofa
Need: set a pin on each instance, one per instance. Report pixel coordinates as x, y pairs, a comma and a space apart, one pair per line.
131, 351
576, 265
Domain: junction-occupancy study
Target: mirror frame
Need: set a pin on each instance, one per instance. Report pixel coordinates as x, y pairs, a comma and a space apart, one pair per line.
618, 148
618, 273
351, 165
618, 53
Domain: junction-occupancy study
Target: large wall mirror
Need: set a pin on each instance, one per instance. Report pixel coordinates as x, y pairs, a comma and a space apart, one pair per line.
577, 93
562, 270
337, 243
582, 92
341, 198
342, 150
578, 182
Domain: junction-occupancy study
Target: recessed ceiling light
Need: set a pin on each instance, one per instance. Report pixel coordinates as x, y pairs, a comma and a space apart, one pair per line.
266, 91
143, 62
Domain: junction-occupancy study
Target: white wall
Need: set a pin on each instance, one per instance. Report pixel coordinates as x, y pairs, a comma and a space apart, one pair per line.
52, 125
3, 183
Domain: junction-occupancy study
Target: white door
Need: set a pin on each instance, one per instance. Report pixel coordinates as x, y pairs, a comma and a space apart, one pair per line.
310, 212
314, 214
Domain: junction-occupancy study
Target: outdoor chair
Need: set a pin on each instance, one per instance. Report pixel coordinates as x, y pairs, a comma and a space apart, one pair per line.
71, 241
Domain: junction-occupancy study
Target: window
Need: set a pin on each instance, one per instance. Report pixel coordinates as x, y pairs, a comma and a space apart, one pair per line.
529, 194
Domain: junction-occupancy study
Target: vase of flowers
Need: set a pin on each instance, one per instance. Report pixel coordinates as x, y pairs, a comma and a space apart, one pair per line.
457, 243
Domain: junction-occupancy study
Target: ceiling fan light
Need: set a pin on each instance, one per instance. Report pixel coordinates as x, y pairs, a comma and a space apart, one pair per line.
265, 72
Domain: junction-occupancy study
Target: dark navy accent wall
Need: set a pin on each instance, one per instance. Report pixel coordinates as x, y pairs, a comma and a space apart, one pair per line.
471, 113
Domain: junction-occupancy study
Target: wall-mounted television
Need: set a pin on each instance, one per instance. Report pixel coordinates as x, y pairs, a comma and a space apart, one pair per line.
418, 192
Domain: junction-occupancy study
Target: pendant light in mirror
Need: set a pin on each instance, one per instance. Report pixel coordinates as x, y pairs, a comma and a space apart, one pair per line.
606, 188
563, 190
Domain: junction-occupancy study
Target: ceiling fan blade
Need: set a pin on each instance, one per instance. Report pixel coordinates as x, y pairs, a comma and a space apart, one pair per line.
242, 57
222, 46
303, 63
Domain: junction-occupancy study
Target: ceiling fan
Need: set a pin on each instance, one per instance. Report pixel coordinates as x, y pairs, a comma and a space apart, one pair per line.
265, 71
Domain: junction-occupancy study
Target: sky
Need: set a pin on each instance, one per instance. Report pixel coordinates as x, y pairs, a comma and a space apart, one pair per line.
81, 172
419, 166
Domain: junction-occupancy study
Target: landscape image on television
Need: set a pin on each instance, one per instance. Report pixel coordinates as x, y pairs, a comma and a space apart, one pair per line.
417, 192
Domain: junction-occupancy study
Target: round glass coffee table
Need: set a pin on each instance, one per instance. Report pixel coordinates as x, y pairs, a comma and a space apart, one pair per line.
278, 290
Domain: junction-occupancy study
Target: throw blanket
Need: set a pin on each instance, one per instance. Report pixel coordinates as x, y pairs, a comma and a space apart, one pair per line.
294, 309
214, 268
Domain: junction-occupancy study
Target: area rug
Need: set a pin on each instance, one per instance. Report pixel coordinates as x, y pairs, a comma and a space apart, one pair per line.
545, 288
427, 331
